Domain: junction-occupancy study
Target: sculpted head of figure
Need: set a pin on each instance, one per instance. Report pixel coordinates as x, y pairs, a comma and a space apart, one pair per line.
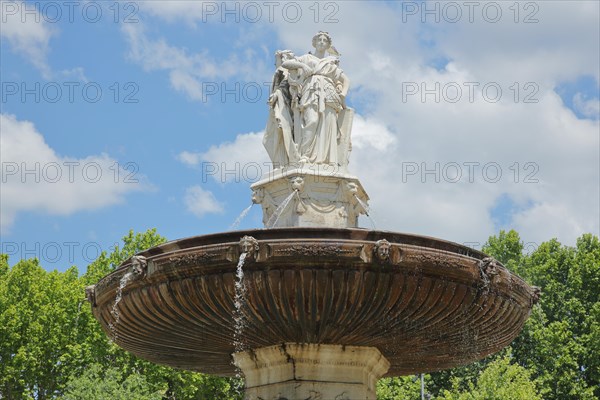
322, 41
282, 56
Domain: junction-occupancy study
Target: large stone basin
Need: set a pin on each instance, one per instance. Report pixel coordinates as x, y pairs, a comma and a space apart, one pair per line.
424, 303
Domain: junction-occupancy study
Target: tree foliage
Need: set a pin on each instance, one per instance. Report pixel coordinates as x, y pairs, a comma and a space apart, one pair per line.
39, 329
559, 342
101, 383
404, 387
501, 380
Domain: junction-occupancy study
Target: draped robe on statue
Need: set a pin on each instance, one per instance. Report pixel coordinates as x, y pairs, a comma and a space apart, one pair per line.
279, 132
319, 107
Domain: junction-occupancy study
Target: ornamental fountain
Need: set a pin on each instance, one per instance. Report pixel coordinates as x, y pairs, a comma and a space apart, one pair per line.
312, 307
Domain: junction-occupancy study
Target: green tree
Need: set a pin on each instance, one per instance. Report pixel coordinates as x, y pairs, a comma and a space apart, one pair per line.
560, 340
100, 383
404, 387
507, 248
458, 378
39, 329
501, 380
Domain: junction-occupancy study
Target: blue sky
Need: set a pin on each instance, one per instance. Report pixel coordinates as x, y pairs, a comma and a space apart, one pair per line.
161, 133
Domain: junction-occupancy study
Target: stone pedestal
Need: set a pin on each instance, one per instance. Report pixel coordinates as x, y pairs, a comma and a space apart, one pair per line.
310, 196
311, 372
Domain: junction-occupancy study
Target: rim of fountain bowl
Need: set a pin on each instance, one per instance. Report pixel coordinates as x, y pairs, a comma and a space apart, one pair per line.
358, 234
325, 234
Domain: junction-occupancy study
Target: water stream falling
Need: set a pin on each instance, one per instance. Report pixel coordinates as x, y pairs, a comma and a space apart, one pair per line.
238, 315
76, 322
367, 210
275, 217
239, 219
239, 300
115, 308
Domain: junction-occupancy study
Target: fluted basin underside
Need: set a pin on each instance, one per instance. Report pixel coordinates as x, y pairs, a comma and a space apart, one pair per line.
426, 304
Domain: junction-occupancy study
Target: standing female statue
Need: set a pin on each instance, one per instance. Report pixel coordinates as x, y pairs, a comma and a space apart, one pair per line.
324, 89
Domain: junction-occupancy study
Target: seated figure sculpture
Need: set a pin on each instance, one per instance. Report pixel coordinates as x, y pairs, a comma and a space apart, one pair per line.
279, 133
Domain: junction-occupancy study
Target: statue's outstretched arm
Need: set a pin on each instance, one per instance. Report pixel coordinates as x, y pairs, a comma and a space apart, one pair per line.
295, 64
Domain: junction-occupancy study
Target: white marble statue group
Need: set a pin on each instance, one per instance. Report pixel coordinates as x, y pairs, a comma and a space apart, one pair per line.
308, 140
308, 118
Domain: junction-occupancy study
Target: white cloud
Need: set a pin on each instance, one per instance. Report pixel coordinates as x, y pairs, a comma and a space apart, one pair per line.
188, 158
35, 178
183, 81
562, 152
172, 10
201, 202
76, 73
244, 159
190, 73
551, 219
371, 133
246, 148
560, 40
27, 33
588, 107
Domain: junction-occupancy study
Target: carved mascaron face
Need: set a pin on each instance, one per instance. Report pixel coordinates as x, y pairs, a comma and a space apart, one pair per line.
352, 188
382, 250
297, 183
246, 246
138, 266
249, 245
258, 195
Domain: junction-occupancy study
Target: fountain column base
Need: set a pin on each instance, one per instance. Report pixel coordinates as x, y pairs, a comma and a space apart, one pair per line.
310, 196
311, 372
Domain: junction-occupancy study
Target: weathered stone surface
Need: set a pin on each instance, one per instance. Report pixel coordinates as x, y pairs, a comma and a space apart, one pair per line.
425, 304
311, 371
